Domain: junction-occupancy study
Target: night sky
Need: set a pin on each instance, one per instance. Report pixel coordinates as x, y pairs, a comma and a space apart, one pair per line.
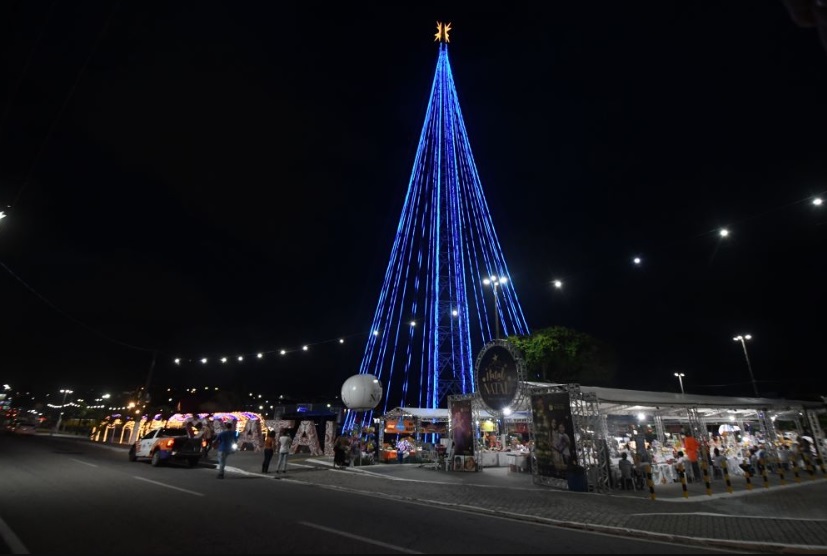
207, 179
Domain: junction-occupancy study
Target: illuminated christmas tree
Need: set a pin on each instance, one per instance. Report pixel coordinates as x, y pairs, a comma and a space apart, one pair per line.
446, 278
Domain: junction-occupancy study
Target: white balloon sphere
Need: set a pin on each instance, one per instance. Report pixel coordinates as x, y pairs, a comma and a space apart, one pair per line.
362, 392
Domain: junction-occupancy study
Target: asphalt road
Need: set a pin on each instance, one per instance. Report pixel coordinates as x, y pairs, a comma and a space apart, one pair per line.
70, 496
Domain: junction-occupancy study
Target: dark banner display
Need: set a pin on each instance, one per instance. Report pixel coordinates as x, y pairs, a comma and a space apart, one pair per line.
462, 433
553, 434
497, 377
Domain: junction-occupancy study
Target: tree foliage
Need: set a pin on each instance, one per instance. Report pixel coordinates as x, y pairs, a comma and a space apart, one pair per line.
562, 355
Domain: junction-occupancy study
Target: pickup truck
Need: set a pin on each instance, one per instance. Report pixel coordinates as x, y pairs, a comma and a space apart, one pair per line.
166, 444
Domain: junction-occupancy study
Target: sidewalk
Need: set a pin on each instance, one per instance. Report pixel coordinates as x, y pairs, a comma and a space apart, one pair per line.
789, 518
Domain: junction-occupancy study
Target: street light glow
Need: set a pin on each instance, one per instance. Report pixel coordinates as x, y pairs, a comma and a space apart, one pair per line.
680, 379
723, 232
495, 281
636, 260
743, 339
558, 284
817, 202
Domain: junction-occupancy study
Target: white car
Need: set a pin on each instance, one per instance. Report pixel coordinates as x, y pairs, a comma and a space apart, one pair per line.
167, 444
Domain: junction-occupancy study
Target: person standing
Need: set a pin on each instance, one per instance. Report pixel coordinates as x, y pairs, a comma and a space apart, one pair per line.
269, 449
692, 449
207, 437
340, 449
563, 445
284, 449
226, 445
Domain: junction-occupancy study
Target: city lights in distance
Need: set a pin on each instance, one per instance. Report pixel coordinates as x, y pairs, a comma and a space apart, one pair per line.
177, 360
283, 352
204, 360
241, 358
305, 348
260, 355
223, 359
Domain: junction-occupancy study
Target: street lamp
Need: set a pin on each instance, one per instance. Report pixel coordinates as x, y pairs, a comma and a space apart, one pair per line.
743, 339
680, 379
495, 281
62, 405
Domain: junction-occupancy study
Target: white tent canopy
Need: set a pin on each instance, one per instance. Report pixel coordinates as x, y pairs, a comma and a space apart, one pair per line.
617, 401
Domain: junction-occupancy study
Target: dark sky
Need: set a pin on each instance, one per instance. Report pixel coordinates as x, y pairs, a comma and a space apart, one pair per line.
208, 179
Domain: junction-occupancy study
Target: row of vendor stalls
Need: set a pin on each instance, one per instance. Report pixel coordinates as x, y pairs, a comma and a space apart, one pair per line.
555, 430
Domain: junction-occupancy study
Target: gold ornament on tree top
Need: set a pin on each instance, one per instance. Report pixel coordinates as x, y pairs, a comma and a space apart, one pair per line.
442, 30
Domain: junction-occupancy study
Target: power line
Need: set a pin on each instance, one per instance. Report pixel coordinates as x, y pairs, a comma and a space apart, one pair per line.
26, 65
69, 95
71, 318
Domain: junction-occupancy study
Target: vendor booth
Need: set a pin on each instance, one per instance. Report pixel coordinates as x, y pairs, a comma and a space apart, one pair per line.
601, 424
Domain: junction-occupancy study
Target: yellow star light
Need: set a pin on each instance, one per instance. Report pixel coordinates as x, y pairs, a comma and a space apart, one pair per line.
442, 30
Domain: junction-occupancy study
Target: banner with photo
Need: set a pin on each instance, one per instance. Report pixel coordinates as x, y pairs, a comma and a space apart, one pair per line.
462, 434
554, 447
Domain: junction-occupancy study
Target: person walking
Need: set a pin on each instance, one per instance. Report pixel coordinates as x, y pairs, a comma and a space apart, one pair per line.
226, 445
284, 449
269, 448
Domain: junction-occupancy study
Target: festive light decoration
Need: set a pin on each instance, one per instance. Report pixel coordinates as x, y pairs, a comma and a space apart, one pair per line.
442, 30
445, 245
261, 354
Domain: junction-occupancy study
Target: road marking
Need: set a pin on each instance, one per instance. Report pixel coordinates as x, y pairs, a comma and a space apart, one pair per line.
169, 486
83, 462
14, 542
394, 547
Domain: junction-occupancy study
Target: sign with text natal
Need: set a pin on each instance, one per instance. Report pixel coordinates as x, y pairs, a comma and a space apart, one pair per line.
499, 371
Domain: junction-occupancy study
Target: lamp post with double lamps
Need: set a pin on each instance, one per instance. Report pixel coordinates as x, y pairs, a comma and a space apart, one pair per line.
680, 379
743, 339
495, 281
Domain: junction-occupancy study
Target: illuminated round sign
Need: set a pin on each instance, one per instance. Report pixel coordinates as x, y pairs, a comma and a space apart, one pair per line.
499, 371
361, 392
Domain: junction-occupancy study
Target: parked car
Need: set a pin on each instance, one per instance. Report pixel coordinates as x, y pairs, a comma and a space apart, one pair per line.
23, 427
167, 444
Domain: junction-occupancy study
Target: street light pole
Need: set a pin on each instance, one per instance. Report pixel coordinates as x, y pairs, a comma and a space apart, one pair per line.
495, 281
680, 379
65, 392
743, 339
